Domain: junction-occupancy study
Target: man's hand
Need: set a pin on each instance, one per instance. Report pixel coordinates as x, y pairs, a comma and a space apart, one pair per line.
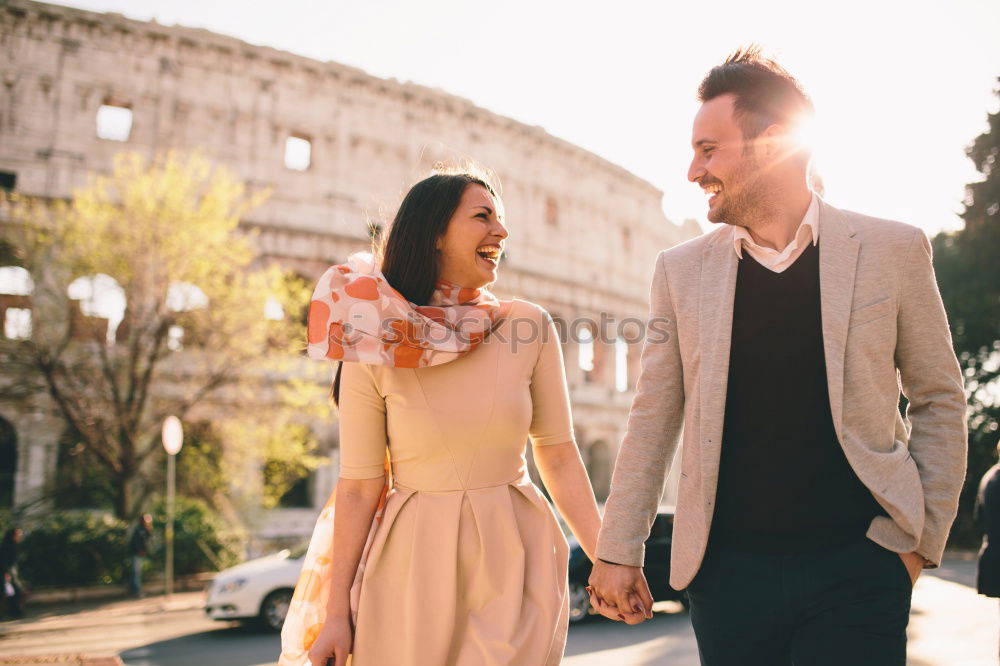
914, 565
620, 592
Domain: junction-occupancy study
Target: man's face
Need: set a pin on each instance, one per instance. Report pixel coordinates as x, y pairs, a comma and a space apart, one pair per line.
724, 165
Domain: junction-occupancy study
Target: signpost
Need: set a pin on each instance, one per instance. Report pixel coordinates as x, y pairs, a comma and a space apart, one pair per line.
173, 438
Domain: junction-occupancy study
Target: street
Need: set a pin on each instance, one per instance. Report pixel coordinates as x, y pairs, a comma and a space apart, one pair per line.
950, 626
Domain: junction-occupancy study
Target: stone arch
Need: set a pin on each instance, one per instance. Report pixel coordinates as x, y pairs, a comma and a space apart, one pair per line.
8, 463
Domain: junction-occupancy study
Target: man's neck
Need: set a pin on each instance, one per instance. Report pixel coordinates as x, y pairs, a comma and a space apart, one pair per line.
776, 227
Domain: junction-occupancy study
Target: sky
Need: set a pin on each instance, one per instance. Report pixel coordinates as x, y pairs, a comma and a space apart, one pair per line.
900, 88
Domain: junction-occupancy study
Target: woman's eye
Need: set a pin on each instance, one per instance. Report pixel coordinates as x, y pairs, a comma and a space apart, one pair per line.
483, 216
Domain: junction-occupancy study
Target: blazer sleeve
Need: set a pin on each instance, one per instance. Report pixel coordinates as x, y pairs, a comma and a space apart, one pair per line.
651, 435
931, 380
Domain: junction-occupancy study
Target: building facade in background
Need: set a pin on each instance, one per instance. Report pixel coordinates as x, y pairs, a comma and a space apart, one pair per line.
339, 148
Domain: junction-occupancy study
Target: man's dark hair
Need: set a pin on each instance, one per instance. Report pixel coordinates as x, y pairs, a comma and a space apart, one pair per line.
766, 94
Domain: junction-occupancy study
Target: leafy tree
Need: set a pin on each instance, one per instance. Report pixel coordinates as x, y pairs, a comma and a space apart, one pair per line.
968, 271
205, 331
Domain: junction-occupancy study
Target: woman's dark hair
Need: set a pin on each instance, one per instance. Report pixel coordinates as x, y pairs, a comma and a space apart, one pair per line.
765, 92
408, 250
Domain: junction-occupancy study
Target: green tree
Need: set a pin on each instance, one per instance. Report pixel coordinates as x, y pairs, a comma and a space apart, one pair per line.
207, 332
967, 263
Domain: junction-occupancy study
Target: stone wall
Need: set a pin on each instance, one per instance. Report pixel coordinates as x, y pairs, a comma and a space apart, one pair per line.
583, 231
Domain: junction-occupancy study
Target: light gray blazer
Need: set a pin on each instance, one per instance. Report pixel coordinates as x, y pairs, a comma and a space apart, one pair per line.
884, 328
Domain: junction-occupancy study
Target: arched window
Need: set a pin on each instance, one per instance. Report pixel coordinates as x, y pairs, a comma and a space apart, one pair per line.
16, 288
100, 307
621, 365
114, 121
298, 152
586, 348
183, 297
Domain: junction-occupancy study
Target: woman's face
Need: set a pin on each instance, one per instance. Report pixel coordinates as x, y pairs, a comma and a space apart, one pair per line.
469, 250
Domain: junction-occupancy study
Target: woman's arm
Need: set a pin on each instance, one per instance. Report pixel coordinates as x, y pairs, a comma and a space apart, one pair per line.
357, 500
556, 455
363, 446
566, 479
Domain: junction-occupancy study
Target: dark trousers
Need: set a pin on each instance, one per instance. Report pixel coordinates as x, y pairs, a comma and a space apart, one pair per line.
135, 582
844, 605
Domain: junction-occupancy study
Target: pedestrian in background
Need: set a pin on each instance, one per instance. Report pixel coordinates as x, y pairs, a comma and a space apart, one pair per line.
987, 513
13, 590
139, 549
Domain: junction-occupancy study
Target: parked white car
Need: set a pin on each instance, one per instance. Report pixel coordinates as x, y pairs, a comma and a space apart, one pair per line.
258, 591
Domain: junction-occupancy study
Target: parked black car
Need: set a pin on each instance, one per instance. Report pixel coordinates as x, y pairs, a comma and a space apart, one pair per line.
656, 567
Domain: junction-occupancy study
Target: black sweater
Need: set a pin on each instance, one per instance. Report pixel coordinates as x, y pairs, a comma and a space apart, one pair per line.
784, 482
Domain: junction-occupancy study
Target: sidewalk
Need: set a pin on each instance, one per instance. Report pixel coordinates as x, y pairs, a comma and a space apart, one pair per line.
84, 614
63, 660
45, 627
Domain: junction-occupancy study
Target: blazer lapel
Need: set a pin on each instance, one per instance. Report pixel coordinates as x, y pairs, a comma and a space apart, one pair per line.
717, 290
838, 259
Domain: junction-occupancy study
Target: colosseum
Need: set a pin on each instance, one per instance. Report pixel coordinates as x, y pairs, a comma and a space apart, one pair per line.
338, 147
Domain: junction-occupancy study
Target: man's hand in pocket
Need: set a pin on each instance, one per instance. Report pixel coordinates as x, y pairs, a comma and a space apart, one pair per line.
914, 565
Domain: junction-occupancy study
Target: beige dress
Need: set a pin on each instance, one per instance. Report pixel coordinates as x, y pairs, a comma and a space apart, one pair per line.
468, 566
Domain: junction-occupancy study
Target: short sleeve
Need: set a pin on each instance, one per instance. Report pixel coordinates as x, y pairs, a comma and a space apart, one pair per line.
363, 438
551, 418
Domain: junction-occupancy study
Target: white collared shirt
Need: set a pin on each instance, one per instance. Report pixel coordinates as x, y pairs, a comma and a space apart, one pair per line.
769, 257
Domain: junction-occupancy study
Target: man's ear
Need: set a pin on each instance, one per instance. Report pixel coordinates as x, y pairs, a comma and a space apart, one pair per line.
774, 141
778, 142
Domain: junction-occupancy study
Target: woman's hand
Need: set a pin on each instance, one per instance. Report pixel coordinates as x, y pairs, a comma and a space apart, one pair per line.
333, 643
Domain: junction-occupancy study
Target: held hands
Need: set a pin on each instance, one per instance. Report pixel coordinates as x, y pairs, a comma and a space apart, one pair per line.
620, 592
334, 642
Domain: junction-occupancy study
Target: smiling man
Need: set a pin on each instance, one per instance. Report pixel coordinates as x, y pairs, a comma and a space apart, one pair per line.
807, 504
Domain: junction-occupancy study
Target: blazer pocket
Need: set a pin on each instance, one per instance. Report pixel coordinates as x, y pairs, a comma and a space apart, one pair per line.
868, 313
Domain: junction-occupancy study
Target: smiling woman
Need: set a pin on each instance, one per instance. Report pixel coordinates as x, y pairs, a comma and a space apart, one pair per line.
470, 249
439, 227
434, 503
443, 245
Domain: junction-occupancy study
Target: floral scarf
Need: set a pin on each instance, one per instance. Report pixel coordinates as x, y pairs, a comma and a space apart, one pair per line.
356, 316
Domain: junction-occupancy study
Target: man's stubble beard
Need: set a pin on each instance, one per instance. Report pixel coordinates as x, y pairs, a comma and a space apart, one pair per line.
751, 203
